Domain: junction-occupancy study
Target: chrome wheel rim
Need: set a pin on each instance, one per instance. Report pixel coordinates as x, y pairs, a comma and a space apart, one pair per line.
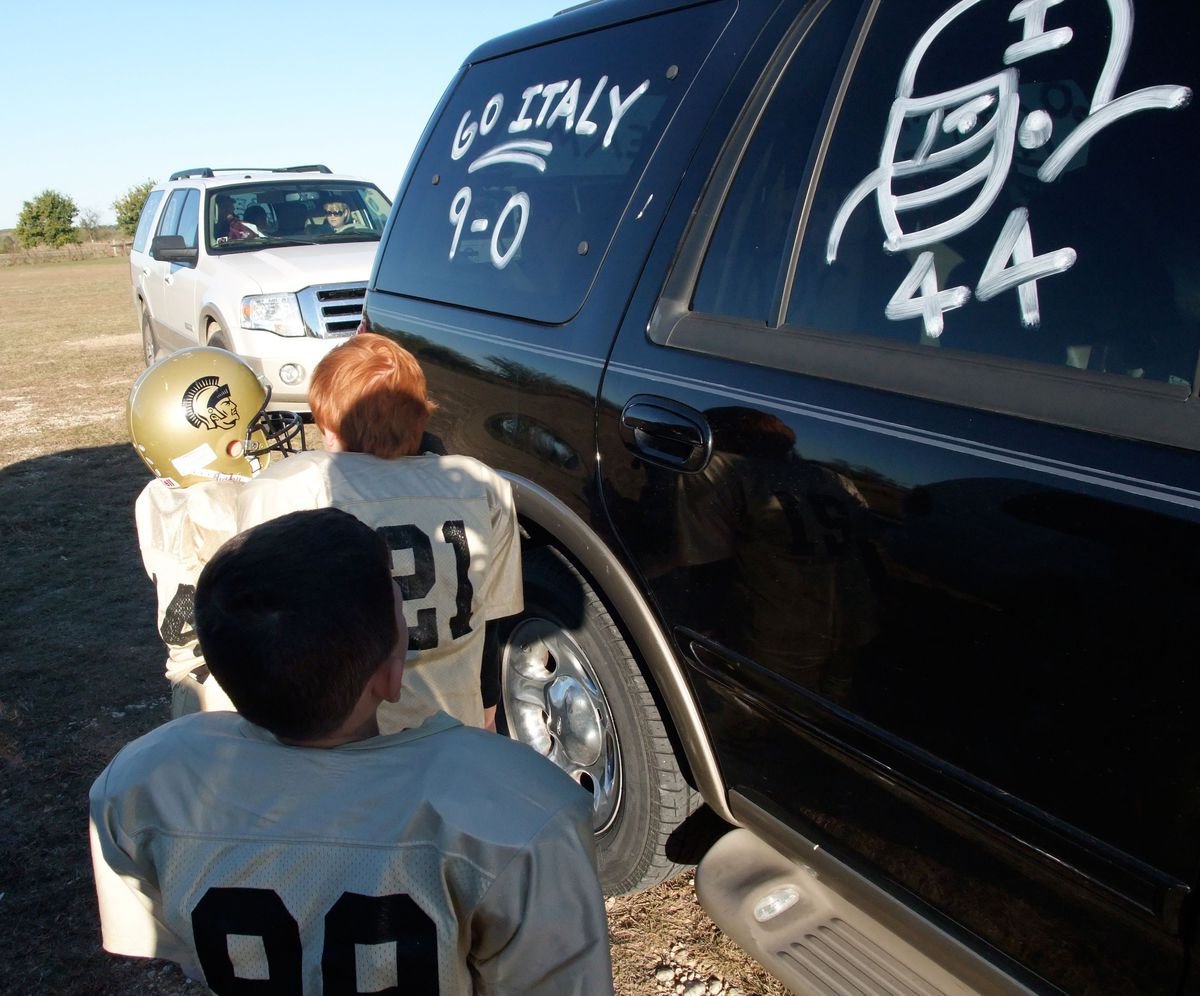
553, 703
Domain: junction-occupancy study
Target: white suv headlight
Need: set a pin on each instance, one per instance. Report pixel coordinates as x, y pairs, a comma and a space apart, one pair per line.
278, 313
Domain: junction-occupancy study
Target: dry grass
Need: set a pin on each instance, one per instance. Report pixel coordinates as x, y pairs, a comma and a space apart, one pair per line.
69, 349
81, 665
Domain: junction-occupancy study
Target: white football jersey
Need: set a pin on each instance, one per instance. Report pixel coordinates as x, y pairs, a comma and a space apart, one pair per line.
452, 527
440, 860
179, 529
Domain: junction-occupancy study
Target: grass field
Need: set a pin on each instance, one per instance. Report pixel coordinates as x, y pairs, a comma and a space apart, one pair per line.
81, 662
79, 669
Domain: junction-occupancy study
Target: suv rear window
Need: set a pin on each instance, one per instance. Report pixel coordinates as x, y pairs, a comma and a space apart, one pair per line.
516, 196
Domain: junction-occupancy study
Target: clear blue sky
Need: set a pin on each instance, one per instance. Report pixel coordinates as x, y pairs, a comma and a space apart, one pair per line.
100, 97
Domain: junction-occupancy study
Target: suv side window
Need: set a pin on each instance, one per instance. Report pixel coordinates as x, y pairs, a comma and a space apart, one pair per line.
142, 235
189, 219
992, 219
517, 194
741, 273
168, 224
952, 214
181, 216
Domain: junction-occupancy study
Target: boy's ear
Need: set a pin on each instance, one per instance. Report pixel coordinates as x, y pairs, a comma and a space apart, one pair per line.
333, 442
387, 680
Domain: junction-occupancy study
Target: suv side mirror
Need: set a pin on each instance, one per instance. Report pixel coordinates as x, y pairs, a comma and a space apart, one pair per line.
173, 249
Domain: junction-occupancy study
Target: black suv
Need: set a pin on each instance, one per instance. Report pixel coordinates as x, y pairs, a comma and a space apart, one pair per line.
843, 357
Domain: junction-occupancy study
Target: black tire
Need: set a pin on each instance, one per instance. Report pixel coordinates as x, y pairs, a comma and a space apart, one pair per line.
149, 345
216, 336
573, 691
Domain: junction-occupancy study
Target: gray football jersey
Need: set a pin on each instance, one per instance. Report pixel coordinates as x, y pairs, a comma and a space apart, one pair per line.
441, 859
452, 527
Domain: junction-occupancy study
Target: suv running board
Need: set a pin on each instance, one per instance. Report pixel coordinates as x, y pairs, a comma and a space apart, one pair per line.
822, 929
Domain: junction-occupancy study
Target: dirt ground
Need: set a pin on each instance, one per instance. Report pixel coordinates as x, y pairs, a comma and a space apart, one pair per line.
81, 663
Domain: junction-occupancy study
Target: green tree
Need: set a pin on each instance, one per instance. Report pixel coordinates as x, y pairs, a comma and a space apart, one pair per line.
48, 219
129, 206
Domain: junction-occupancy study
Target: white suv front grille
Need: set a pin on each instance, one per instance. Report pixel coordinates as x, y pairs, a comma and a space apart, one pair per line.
332, 311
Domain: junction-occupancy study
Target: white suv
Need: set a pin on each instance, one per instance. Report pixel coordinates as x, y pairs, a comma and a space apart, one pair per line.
271, 264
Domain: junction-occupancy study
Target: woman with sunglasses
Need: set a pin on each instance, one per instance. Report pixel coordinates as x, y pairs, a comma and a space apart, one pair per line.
337, 216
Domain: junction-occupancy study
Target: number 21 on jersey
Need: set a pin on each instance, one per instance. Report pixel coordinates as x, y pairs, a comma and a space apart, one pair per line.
417, 586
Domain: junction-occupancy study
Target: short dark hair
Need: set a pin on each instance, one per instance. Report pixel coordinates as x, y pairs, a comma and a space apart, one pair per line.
293, 617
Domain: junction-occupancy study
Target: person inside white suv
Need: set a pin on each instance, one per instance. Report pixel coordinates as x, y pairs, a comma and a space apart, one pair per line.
337, 216
255, 221
229, 226
226, 216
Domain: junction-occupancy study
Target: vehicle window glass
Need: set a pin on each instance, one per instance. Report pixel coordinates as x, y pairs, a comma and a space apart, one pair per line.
169, 225
1008, 187
376, 205
189, 219
145, 220
515, 198
252, 216
743, 263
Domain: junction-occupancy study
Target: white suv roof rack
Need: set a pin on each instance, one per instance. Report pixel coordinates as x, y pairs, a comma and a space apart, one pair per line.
210, 171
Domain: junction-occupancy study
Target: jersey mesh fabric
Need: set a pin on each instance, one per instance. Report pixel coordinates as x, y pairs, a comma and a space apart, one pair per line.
451, 523
491, 843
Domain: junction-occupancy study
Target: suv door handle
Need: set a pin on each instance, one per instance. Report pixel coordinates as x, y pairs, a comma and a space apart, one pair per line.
667, 433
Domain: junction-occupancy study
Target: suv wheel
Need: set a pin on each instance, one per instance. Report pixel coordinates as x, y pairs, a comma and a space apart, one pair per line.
149, 346
573, 691
216, 336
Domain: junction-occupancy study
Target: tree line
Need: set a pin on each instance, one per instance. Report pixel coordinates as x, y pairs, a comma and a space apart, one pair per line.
49, 219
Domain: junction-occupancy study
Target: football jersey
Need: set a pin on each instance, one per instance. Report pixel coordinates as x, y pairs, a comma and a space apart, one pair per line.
440, 860
452, 527
179, 529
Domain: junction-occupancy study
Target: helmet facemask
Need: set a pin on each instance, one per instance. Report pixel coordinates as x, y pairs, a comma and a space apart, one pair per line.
275, 431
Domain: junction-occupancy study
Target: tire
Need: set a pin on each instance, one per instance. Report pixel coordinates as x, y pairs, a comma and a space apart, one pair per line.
149, 345
216, 336
572, 690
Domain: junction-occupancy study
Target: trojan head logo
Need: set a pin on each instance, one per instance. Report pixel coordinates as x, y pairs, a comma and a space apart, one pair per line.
207, 404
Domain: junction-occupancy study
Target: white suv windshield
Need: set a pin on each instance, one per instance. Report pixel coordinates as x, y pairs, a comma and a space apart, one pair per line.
253, 216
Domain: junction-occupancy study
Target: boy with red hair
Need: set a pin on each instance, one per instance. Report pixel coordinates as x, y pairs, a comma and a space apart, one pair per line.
450, 522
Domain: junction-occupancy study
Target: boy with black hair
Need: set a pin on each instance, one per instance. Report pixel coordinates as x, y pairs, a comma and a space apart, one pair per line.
291, 842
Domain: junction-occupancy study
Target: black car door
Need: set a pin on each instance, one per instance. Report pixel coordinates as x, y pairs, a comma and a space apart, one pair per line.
901, 432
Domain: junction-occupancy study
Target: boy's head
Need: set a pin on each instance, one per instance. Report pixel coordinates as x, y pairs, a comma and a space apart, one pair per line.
370, 393
295, 616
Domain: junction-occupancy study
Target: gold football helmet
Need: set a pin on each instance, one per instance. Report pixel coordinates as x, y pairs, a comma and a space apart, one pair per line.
200, 415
